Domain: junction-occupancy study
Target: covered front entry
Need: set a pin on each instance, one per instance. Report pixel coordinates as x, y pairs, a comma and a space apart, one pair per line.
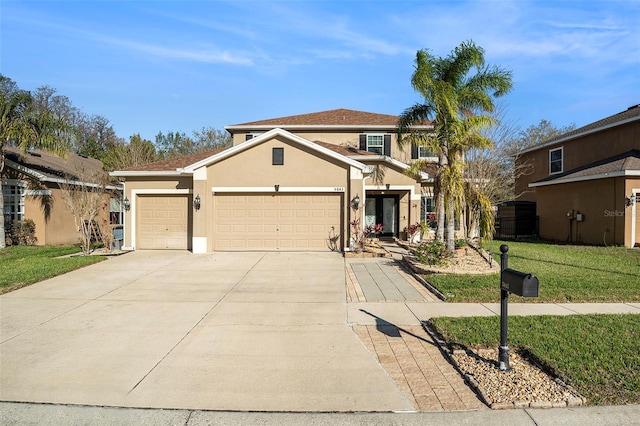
163, 222
276, 221
382, 209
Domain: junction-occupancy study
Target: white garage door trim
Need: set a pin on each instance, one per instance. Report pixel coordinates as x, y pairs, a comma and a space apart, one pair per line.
255, 221
280, 189
133, 211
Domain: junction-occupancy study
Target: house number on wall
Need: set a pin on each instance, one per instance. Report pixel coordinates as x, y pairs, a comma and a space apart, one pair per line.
338, 189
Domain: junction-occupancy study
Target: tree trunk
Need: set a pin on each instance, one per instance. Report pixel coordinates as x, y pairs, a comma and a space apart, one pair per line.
440, 216
451, 226
2, 230
440, 198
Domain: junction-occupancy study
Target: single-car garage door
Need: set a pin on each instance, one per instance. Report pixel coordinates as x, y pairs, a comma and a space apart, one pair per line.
162, 222
302, 222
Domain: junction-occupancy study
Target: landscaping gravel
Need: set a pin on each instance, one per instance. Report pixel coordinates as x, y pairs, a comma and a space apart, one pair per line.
526, 385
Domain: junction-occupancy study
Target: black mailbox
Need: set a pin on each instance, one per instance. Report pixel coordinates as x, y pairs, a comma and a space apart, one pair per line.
516, 282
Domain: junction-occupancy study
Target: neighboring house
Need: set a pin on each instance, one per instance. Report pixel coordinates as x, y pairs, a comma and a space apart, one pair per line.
31, 187
285, 184
586, 183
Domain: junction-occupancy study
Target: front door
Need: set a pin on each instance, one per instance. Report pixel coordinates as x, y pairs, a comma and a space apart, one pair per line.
382, 209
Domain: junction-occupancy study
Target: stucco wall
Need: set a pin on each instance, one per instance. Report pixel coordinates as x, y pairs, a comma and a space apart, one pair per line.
151, 185
54, 221
302, 167
577, 152
338, 137
604, 220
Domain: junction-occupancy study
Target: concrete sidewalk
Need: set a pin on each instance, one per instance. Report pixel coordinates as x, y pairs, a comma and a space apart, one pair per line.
412, 313
55, 415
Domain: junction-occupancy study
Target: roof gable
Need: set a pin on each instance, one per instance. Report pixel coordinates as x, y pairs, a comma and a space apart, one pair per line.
267, 136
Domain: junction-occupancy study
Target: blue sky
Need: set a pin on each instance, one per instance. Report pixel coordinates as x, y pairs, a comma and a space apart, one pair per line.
151, 66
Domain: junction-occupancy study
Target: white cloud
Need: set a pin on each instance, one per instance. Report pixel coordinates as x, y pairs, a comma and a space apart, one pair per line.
202, 54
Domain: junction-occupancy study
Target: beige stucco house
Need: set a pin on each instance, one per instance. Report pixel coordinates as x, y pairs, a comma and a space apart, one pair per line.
291, 183
586, 184
31, 185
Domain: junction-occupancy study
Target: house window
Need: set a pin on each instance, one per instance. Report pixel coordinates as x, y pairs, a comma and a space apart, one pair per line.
116, 211
375, 144
277, 156
556, 160
423, 153
427, 209
249, 136
13, 191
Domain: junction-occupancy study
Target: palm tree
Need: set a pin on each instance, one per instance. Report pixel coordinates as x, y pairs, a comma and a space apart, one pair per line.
457, 91
22, 126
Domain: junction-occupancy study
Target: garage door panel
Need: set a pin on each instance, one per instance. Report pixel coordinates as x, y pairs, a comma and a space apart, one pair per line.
162, 222
275, 221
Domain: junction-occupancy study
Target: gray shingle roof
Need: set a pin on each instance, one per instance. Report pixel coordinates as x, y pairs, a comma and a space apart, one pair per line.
633, 111
53, 166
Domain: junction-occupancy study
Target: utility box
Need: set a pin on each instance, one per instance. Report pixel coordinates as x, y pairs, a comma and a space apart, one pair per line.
519, 283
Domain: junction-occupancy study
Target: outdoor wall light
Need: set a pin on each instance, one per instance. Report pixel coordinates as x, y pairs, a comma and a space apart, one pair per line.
126, 203
388, 186
630, 201
355, 202
277, 187
196, 202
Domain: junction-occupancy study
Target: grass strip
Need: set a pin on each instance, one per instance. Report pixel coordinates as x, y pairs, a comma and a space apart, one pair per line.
596, 354
24, 265
567, 273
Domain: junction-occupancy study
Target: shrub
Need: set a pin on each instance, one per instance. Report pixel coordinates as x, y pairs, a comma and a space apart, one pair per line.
460, 243
22, 233
431, 252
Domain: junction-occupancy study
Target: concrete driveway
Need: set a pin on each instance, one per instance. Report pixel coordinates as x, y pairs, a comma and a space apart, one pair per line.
224, 331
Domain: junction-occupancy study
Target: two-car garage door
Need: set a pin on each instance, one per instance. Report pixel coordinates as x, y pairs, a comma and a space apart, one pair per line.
305, 222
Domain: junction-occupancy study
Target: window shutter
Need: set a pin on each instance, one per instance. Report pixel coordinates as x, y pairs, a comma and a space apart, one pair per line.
248, 136
387, 145
414, 151
363, 142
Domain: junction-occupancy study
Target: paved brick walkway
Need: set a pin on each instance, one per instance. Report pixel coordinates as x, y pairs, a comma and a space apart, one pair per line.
383, 280
406, 352
415, 363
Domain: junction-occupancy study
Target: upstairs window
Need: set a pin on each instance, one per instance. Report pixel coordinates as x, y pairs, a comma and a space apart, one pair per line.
556, 157
376, 143
249, 136
424, 153
277, 156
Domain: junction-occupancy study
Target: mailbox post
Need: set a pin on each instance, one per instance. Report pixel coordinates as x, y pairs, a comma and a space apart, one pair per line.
503, 350
516, 282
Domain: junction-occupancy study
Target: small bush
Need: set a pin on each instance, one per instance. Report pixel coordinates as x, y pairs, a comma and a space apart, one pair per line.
460, 243
22, 233
431, 252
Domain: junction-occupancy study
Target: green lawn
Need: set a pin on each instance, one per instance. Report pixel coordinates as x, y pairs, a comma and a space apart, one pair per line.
567, 273
596, 354
24, 265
